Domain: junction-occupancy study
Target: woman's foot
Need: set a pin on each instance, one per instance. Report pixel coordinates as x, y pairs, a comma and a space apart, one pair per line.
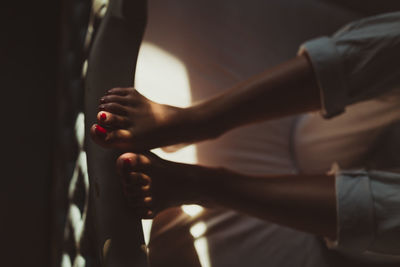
130, 122
151, 184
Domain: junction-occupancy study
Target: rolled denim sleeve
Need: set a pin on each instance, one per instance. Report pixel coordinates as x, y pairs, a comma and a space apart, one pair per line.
368, 212
357, 63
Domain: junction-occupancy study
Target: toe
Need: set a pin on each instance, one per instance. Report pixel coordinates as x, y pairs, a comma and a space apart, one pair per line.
139, 200
136, 192
113, 107
129, 162
120, 138
123, 163
149, 214
137, 179
142, 208
123, 100
109, 138
143, 160
112, 120
136, 185
144, 213
119, 91
98, 132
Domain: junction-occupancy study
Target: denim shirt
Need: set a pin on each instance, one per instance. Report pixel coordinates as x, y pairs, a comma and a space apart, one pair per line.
359, 62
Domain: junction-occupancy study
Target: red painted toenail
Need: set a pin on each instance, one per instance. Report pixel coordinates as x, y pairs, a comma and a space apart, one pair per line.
127, 162
100, 130
103, 116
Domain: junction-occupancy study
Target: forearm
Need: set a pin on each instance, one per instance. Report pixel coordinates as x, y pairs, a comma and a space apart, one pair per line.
303, 202
286, 89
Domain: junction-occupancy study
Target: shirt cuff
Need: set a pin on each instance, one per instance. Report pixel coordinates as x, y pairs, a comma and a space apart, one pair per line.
355, 213
327, 66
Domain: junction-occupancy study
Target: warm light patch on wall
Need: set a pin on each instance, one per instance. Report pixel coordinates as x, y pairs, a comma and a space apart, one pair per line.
163, 78
198, 229
200, 243
192, 210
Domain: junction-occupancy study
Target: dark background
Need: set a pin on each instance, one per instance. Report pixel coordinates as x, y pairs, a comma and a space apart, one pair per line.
29, 65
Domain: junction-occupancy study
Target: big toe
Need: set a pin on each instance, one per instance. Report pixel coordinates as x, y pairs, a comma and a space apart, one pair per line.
110, 138
111, 120
129, 162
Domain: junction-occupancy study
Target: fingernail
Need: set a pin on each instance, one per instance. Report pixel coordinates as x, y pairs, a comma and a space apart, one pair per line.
100, 130
102, 100
103, 116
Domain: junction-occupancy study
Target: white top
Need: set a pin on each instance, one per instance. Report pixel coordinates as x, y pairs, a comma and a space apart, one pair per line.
359, 62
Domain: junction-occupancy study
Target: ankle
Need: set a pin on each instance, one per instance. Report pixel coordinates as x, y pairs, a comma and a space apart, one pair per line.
200, 124
200, 184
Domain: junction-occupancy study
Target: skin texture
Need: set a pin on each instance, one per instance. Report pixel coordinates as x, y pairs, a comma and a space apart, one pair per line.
134, 123
130, 122
304, 202
152, 184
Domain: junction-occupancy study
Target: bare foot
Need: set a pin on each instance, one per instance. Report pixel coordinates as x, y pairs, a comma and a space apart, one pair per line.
151, 184
130, 122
